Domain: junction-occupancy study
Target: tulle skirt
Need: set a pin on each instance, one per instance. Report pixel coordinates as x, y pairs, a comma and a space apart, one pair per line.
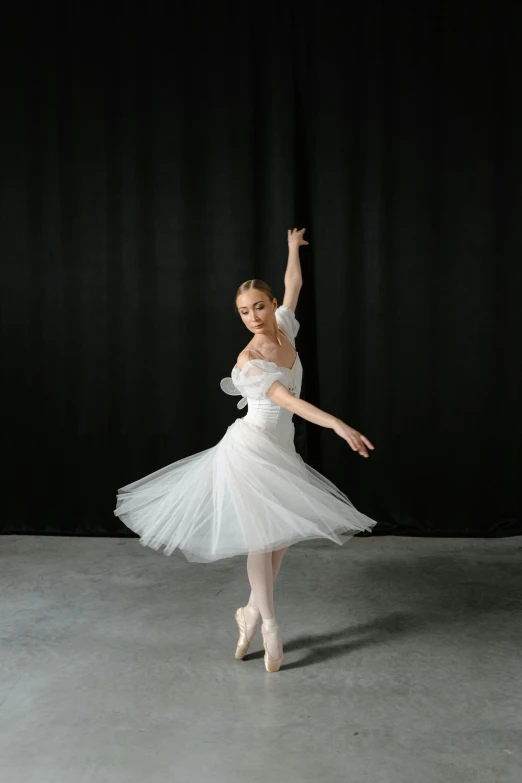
251, 492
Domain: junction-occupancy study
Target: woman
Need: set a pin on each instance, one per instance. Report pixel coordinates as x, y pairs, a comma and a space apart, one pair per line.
252, 493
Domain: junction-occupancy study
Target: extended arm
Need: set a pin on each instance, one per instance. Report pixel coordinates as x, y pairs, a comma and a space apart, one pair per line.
293, 275
281, 396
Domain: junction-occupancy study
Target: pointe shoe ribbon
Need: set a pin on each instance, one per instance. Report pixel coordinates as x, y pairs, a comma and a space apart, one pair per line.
271, 664
244, 642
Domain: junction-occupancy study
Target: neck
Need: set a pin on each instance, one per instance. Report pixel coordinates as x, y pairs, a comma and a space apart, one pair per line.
271, 334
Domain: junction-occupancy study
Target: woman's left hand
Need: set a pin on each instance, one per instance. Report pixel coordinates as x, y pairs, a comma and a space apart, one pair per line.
354, 439
295, 237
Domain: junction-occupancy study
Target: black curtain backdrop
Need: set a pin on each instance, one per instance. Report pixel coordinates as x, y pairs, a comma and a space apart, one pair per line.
153, 161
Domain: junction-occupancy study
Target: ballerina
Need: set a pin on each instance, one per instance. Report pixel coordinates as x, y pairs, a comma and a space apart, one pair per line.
252, 493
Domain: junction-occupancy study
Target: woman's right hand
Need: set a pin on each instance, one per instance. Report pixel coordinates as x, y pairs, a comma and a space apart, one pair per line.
296, 238
355, 440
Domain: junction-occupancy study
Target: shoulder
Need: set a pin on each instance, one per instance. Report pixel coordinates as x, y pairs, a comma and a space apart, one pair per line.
287, 321
245, 356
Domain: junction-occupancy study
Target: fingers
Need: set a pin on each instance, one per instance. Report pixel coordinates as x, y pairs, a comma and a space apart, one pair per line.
361, 448
357, 443
296, 236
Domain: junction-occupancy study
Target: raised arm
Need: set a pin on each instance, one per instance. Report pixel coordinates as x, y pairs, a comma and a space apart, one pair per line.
293, 276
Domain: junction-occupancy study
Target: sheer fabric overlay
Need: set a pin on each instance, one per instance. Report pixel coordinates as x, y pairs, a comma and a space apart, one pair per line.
251, 492
257, 375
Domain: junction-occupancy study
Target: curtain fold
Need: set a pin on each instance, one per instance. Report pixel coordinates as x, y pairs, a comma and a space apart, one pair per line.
153, 161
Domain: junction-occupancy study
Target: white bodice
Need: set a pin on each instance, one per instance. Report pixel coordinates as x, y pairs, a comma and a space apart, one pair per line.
257, 376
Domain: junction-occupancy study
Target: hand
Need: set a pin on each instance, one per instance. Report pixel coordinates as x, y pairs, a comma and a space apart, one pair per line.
354, 439
295, 237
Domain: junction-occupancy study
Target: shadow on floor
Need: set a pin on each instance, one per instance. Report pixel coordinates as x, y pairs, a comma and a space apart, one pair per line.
338, 643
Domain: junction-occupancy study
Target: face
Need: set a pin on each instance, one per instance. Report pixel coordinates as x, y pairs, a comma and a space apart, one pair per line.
256, 310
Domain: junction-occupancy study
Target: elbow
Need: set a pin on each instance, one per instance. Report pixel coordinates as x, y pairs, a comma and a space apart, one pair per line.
294, 280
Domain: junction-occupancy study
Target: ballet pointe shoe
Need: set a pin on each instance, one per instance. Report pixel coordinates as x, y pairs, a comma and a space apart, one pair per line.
243, 642
271, 664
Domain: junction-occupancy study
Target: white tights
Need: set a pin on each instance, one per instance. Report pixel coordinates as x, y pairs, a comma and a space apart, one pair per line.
262, 569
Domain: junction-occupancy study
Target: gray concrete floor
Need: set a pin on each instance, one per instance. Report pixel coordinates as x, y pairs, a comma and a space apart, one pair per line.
402, 665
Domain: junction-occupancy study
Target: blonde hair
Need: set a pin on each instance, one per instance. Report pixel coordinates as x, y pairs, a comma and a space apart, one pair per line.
249, 285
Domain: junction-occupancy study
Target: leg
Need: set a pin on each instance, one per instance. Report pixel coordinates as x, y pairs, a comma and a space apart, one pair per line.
259, 569
277, 559
260, 575
251, 612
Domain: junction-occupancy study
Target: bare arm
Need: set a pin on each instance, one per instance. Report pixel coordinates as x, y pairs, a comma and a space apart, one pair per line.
281, 396
293, 275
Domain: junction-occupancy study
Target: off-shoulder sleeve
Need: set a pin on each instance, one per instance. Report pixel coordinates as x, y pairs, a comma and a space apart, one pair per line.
254, 379
287, 322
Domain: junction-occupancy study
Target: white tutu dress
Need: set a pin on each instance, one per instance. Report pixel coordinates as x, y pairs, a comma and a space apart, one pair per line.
251, 492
